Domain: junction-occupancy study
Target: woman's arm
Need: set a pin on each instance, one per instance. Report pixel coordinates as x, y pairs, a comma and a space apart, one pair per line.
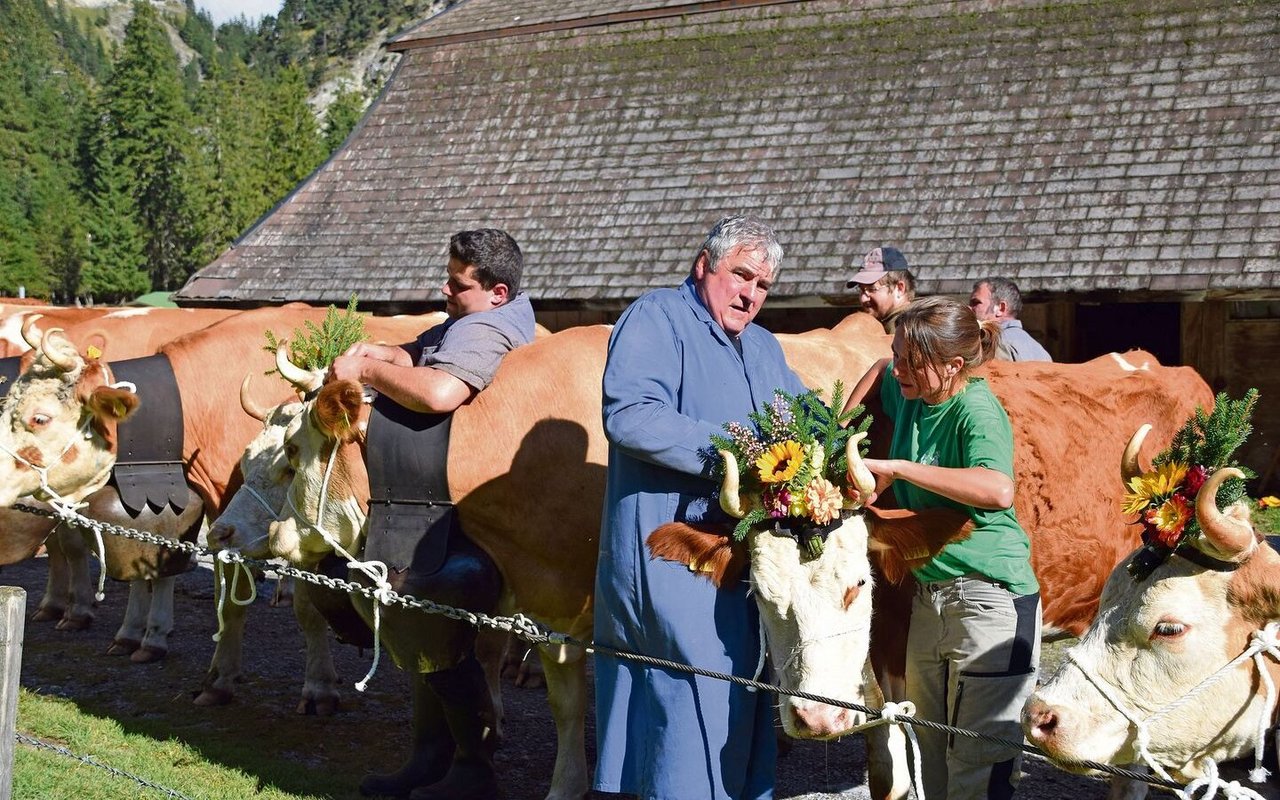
979, 487
866, 384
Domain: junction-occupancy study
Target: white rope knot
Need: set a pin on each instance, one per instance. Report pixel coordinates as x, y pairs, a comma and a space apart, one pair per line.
384, 595
231, 557
1267, 639
892, 710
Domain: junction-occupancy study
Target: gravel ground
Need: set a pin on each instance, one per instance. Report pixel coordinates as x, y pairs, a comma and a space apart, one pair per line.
370, 730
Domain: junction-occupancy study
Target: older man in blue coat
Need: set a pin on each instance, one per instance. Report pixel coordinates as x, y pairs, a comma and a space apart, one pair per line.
681, 363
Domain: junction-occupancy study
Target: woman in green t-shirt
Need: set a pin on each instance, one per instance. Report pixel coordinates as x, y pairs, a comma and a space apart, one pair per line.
974, 643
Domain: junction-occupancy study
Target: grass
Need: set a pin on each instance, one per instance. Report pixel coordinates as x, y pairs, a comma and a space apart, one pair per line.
169, 763
1267, 520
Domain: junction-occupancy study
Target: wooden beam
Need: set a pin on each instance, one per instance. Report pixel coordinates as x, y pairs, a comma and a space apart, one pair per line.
13, 610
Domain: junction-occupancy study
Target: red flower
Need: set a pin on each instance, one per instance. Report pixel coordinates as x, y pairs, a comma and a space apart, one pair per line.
777, 503
1196, 476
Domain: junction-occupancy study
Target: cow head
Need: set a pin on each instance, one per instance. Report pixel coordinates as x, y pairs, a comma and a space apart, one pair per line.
1157, 640
330, 486
58, 422
266, 476
816, 609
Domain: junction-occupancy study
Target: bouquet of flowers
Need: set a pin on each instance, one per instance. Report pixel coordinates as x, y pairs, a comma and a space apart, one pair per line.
1164, 497
790, 463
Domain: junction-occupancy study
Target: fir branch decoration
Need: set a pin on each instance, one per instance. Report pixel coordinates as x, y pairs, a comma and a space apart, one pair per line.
315, 347
1211, 440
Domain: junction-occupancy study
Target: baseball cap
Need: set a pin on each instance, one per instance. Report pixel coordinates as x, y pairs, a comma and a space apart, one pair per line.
876, 264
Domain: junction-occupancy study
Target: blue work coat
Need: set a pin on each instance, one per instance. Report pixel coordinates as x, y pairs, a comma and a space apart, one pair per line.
672, 378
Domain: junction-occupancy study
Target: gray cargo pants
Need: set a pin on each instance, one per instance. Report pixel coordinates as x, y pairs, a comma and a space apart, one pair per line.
972, 655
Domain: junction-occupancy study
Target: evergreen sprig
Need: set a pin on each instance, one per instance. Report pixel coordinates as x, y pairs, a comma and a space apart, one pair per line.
1211, 440
315, 347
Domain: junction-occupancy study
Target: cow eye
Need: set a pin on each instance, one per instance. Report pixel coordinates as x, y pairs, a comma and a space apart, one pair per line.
1168, 630
40, 420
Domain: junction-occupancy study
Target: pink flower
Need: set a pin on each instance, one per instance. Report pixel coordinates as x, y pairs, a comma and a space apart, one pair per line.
777, 503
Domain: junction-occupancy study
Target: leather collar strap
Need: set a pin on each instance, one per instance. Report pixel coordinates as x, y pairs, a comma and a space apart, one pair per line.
149, 468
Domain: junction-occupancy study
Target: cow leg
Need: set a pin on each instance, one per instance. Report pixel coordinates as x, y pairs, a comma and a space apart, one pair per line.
888, 760
284, 592
155, 639
1128, 788
133, 628
491, 652
431, 747
69, 589
227, 666
320, 685
518, 667
464, 697
566, 674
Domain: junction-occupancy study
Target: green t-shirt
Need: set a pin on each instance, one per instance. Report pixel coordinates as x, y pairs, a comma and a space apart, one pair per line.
970, 429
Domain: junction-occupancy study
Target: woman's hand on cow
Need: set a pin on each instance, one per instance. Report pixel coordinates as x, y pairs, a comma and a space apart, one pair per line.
882, 471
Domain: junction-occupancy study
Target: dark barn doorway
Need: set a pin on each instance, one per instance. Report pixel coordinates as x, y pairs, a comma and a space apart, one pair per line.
1116, 327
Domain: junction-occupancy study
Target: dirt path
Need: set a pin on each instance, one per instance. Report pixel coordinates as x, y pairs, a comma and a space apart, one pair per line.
371, 730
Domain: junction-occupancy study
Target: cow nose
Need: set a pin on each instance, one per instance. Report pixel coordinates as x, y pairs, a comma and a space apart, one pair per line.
1042, 721
221, 535
821, 720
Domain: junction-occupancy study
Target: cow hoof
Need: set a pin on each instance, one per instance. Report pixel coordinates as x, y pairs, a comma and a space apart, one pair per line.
74, 624
47, 614
213, 697
123, 647
148, 655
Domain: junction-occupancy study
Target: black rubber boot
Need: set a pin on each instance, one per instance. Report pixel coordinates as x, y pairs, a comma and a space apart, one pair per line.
468, 707
431, 751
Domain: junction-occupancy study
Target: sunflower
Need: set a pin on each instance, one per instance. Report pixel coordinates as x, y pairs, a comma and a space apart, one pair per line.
1153, 487
781, 462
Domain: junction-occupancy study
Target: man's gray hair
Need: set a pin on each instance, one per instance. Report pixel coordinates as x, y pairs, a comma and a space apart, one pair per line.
743, 230
1003, 289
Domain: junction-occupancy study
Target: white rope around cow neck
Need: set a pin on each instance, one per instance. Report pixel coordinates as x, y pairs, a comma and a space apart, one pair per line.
375, 570
1264, 641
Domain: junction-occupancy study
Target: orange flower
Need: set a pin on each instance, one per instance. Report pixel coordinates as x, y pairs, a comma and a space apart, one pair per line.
824, 500
1170, 518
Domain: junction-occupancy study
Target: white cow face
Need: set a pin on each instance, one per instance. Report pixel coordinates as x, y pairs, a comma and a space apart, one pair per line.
260, 501
338, 503
60, 417
1153, 642
817, 614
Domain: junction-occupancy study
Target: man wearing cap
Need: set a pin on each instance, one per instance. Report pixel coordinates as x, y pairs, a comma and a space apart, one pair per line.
1000, 300
885, 284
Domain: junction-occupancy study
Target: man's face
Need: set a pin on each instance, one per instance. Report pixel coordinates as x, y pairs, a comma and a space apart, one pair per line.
980, 302
463, 293
735, 292
882, 297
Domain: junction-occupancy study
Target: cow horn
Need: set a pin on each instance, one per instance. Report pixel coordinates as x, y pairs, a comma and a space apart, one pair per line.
61, 354
248, 404
1229, 534
1129, 468
302, 379
29, 333
863, 480
729, 498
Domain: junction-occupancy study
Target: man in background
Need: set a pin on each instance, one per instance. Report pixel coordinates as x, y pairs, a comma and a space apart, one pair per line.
1000, 300
885, 284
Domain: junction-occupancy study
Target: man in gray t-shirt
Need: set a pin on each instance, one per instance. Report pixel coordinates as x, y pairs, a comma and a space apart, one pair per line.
447, 365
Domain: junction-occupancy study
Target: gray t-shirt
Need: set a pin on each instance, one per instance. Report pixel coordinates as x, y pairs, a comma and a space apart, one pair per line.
472, 347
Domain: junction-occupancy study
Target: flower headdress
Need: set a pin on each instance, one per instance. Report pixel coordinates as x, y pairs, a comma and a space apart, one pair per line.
1164, 497
790, 465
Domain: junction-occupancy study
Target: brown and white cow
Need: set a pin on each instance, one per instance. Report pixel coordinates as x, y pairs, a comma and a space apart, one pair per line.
1142, 686
65, 395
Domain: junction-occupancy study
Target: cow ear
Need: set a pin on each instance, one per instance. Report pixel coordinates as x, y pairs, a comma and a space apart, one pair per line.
902, 540
337, 409
111, 404
706, 550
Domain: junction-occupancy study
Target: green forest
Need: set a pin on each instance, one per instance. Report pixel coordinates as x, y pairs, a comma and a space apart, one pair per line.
123, 171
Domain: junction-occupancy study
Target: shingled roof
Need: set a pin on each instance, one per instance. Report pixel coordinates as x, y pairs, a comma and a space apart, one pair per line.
1115, 147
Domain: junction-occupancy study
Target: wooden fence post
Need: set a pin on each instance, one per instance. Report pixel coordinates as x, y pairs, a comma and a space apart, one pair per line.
13, 610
